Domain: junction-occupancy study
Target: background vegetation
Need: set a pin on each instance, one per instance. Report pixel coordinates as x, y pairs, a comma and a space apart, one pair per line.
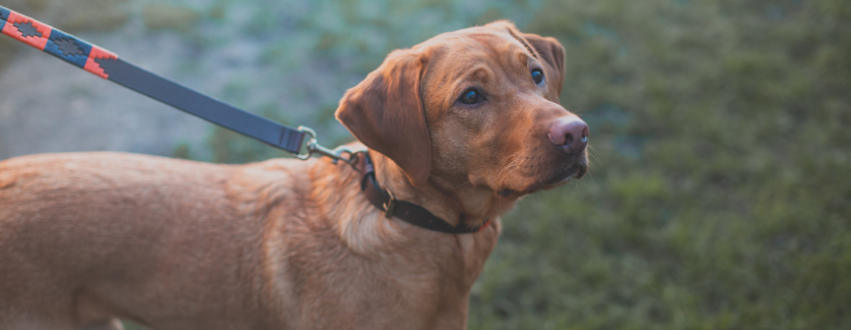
719, 193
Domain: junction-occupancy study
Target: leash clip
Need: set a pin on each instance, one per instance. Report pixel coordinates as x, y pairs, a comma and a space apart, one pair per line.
335, 154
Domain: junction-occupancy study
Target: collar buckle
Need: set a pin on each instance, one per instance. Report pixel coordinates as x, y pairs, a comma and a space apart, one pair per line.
390, 205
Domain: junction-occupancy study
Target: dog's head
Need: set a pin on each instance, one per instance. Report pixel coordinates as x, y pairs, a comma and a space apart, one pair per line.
479, 105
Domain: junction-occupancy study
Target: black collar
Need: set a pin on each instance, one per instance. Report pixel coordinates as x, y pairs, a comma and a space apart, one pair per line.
406, 211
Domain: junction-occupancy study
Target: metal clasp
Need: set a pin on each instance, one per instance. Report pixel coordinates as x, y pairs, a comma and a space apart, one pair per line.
336, 154
390, 205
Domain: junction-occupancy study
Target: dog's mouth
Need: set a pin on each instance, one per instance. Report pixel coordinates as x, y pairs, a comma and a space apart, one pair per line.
573, 171
559, 176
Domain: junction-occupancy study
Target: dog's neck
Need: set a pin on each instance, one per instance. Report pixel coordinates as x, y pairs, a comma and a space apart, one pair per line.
431, 270
337, 194
454, 200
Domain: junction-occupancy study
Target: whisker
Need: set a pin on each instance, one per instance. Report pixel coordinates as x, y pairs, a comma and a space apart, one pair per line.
463, 184
511, 159
592, 153
603, 145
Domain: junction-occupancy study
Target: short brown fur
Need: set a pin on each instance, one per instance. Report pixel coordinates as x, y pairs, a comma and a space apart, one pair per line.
91, 237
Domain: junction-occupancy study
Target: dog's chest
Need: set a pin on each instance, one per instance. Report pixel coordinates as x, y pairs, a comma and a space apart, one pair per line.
409, 286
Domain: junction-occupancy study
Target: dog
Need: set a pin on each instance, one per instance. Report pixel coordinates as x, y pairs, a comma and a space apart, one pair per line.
463, 125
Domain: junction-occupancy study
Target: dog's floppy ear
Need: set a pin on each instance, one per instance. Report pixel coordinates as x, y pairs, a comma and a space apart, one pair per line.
552, 56
385, 112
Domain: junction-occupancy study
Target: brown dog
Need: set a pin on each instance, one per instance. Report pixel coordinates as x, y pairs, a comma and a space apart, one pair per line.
463, 124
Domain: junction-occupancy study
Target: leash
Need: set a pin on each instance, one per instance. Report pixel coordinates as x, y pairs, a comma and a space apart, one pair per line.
107, 65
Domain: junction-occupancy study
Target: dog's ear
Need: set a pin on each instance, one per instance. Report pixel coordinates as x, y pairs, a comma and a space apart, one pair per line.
552, 56
385, 112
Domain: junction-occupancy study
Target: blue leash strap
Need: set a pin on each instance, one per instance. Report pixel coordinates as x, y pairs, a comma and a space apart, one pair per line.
108, 66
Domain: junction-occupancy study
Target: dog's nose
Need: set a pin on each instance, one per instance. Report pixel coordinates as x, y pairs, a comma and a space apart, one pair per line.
570, 133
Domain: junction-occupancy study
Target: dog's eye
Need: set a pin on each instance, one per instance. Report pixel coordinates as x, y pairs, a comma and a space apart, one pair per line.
470, 97
537, 76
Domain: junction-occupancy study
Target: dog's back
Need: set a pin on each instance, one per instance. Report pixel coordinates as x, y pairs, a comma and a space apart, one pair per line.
74, 228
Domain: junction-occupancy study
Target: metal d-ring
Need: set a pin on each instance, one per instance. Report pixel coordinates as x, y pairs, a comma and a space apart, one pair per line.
335, 154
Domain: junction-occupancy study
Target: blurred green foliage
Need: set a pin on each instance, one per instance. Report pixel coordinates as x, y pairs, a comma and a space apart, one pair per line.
159, 16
